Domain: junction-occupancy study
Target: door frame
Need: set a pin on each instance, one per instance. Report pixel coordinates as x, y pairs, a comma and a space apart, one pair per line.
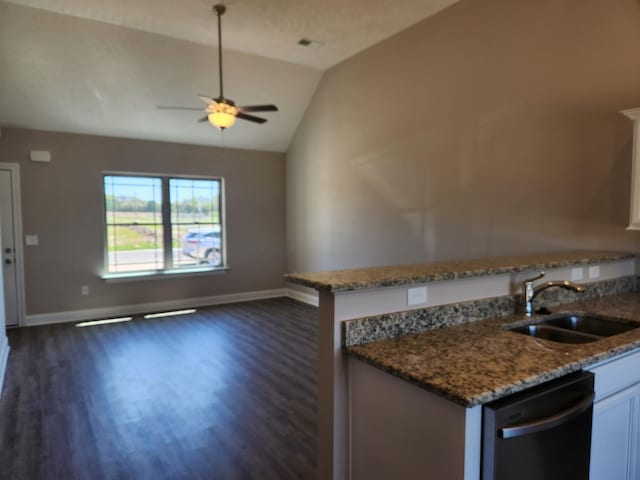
16, 197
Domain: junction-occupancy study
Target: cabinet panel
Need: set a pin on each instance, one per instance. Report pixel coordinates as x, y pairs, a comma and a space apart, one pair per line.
614, 438
616, 374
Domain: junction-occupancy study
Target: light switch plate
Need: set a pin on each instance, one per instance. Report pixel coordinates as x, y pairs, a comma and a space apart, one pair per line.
417, 296
577, 274
31, 240
594, 271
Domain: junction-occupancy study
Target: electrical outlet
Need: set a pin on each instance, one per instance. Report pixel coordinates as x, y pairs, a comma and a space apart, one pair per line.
577, 274
417, 296
594, 271
84, 290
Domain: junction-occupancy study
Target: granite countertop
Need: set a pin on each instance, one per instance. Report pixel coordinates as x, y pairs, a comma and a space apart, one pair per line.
375, 277
478, 362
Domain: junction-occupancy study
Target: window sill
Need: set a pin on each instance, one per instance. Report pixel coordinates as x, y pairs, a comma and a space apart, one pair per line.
163, 274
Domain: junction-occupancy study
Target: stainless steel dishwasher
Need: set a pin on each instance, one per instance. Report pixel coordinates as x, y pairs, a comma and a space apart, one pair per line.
543, 433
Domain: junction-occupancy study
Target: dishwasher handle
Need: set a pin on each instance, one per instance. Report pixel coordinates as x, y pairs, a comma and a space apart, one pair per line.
548, 422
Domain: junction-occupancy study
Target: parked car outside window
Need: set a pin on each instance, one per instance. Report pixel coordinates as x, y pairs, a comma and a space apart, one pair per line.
203, 246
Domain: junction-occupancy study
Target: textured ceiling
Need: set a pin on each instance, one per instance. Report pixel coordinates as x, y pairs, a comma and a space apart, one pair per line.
102, 67
268, 28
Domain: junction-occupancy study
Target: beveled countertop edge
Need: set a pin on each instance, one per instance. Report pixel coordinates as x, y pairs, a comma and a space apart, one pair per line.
377, 277
506, 390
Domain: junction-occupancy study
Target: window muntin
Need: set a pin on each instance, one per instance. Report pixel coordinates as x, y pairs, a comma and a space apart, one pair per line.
156, 223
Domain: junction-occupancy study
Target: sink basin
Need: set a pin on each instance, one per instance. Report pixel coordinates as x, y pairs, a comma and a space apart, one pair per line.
555, 334
575, 328
599, 326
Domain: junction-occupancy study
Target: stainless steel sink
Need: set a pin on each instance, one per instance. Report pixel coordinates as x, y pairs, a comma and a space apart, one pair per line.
602, 327
575, 328
554, 334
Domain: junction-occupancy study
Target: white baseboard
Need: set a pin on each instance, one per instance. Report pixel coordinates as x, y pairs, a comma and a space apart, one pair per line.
310, 298
4, 358
123, 310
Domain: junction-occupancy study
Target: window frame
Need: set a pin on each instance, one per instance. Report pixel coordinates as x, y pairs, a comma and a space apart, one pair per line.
167, 225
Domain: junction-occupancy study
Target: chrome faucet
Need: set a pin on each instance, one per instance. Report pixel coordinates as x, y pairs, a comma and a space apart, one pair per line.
529, 292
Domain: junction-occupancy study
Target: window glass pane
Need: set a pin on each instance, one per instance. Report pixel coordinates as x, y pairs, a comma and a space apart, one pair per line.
133, 210
198, 245
195, 201
133, 199
135, 256
195, 222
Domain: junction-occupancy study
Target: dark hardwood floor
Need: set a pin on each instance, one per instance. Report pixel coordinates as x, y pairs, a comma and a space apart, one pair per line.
228, 392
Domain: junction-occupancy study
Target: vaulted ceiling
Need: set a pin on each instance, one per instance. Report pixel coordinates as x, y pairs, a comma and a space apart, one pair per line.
103, 67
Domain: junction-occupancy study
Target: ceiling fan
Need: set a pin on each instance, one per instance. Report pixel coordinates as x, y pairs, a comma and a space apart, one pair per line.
220, 111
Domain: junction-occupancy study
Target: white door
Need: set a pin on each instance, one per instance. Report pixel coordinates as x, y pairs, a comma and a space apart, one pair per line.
9, 243
2, 315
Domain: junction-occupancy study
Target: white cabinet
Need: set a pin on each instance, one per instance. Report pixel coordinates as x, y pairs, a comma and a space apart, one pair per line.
614, 441
615, 436
634, 220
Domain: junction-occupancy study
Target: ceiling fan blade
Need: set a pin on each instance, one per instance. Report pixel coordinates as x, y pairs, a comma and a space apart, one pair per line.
251, 118
204, 119
199, 109
206, 99
258, 108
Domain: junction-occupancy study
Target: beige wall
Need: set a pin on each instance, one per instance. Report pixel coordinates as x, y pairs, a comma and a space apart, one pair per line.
62, 204
489, 129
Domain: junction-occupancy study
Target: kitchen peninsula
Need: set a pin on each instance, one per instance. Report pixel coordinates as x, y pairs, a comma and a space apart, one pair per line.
361, 306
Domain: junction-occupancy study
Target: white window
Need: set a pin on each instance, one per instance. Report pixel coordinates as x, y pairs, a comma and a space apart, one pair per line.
158, 223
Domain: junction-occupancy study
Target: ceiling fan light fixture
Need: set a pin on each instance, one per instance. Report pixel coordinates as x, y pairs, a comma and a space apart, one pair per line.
222, 115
